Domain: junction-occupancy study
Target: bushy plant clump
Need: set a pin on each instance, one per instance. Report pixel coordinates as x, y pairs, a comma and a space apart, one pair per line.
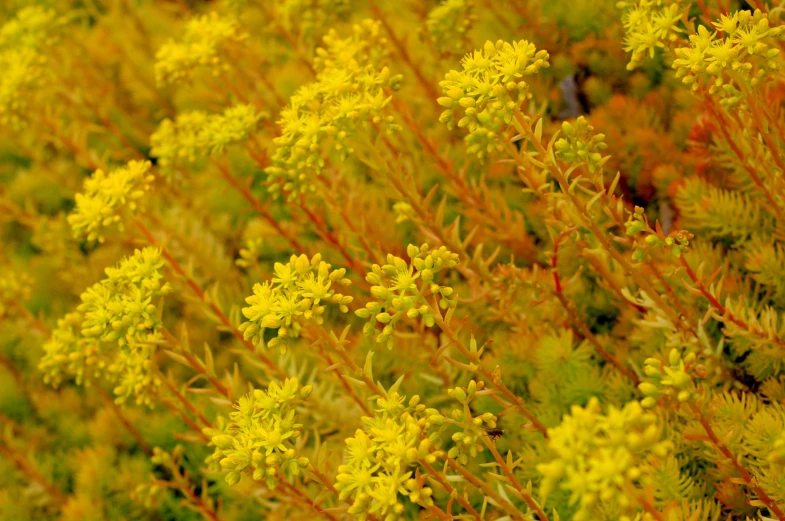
362, 260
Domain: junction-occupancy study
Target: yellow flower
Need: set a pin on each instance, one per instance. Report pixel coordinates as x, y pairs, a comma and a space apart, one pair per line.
114, 330
259, 440
489, 90
202, 46
347, 101
296, 295
448, 25
108, 198
597, 457
395, 286
194, 135
382, 457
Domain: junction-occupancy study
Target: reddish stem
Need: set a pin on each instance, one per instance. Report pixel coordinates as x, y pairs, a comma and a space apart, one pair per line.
404, 53
260, 209
521, 490
723, 311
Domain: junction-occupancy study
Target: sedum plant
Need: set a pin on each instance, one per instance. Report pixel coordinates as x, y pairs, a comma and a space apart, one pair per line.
560, 220
348, 98
196, 135
381, 471
448, 25
489, 90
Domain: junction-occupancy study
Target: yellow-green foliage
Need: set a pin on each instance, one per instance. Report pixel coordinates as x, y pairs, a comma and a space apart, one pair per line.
364, 260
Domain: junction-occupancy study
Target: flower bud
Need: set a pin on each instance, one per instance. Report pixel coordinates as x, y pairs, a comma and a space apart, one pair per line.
223, 441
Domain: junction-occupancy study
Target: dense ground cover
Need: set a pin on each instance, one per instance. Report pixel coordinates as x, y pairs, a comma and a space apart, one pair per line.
353, 259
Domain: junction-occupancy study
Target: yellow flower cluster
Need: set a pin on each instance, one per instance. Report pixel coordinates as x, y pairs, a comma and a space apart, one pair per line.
203, 46
15, 289
69, 353
108, 198
365, 47
650, 25
581, 145
488, 90
448, 25
114, 330
33, 27
382, 457
732, 64
22, 72
260, 438
345, 103
297, 293
196, 134
676, 241
24, 42
311, 19
468, 441
395, 286
597, 457
674, 380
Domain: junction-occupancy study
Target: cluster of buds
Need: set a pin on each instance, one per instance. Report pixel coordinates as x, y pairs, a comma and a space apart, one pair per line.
581, 146
405, 290
672, 381
676, 241
468, 441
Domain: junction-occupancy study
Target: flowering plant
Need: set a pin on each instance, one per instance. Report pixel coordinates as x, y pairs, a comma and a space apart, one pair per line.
335, 259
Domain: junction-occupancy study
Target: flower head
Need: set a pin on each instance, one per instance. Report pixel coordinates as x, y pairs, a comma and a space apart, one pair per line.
195, 135
15, 289
448, 25
347, 101
381, 459
407, 290
581, 145
734, 61
260, 438
650, 25
114, 330
298, 293
107, 198
597, 457
202, 46
489, 89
